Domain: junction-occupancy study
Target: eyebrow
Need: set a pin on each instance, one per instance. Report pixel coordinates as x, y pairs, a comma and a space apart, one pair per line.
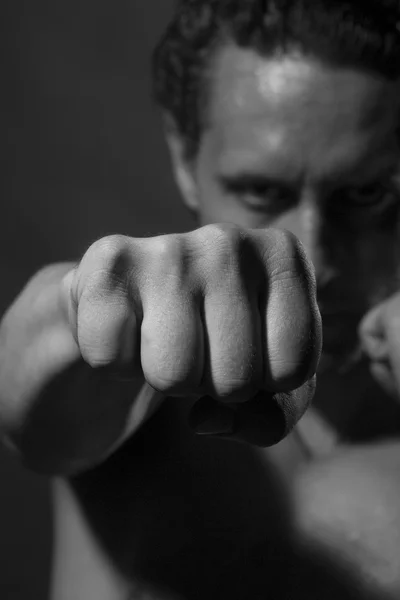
373, 167
368, 170
367, 175
250, 178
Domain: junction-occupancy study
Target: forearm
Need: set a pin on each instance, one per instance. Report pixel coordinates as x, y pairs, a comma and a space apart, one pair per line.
58, 413
34, 345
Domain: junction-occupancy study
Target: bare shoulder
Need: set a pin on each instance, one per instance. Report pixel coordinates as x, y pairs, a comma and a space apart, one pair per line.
349, 504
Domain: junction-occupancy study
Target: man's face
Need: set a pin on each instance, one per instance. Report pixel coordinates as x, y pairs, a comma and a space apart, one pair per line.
294, 144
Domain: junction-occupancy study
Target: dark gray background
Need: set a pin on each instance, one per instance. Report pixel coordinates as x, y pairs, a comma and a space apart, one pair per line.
83, 157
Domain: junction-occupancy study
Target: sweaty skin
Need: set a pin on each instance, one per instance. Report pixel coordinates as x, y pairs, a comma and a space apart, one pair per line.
318, 156
292, 144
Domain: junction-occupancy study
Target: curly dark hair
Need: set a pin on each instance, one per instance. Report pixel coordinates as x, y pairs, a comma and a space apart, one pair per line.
360, 33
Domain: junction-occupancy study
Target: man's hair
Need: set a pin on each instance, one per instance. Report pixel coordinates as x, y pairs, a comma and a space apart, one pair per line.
357, 33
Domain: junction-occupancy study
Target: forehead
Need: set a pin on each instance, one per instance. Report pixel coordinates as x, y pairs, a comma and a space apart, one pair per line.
296, 112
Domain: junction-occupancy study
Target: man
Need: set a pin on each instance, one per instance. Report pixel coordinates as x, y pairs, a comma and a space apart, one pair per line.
281, 116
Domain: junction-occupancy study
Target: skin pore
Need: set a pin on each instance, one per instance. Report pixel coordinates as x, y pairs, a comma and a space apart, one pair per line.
292, 143
295, 144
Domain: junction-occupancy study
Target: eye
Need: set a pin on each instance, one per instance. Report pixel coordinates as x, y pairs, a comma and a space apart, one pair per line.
367, 203
260, 195
368, 196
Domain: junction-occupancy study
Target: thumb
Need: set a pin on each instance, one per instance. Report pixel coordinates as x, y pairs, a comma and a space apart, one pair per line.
262, 421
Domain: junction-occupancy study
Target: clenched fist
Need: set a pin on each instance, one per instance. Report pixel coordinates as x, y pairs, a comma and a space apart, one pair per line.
225, 315
222, 316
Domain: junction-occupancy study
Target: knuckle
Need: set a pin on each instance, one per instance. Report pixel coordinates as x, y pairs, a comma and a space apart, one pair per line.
292, 262
224, 236
305, 267
169, 257
285, 240
286, 260
110, 254
277, 243
219, 249
107, 249
105, 266
168, 247
289, 245
219, 237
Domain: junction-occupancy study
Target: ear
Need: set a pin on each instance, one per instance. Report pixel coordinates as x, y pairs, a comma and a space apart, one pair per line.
183, 167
